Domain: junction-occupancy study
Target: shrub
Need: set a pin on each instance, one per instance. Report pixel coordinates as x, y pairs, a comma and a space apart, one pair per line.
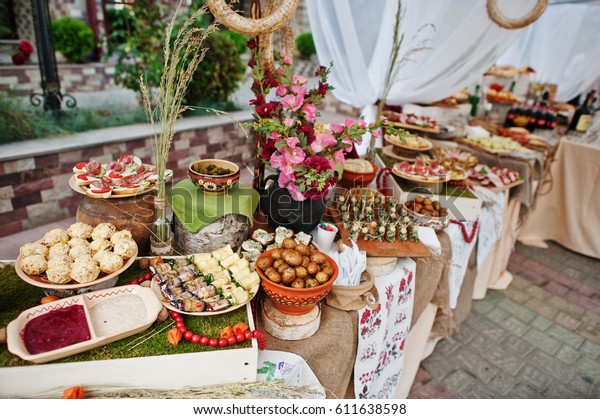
237, 39
305, 45
121, 23
73, 38
218, 74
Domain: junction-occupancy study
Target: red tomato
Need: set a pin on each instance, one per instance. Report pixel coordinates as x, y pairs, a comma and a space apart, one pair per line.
175, 314
182, 329
81, 165
179, 323
231, 340
100, 191
240, 337
195, 338
248, 334
148, 277
114, 175
188, 335
204, 341
213, 342
222, 342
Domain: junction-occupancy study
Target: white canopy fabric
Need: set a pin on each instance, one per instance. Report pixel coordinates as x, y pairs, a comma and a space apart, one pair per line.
563, 46
356, 35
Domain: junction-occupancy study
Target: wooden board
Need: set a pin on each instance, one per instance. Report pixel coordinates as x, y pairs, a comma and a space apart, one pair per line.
495, 188
396, 249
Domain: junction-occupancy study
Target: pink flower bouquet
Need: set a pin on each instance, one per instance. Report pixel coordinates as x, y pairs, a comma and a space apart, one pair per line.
304, 151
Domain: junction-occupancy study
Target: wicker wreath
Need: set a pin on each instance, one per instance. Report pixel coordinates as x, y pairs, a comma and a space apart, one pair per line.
507, 23
277, 15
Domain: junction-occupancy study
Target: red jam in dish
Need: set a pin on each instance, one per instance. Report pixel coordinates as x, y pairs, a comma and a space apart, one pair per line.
56, 329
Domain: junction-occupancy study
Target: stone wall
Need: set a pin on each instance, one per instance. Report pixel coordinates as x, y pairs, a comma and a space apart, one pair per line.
35, 190
89, 77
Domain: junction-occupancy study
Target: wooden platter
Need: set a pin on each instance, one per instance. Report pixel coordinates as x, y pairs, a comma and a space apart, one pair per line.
82, 189
398, 249
494, 188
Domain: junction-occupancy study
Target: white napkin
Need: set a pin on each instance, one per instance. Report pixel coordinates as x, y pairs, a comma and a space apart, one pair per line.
428, 237
351, 262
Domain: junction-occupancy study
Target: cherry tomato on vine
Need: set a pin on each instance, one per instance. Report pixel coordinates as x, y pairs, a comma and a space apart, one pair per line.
240, 337
222, 342
196, 338
248, 334
182, 329
188, 335
213, 342
231, 340
147, 277
204, 341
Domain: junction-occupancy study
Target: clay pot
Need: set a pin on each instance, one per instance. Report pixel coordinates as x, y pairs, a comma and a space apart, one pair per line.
135, 214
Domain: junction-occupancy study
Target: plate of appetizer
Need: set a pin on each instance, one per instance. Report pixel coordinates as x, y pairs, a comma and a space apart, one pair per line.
499, 178
78, 259
205, 284
125, 177
421, 172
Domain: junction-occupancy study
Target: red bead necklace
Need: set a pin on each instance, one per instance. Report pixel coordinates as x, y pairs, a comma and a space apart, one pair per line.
261, 338
467, 236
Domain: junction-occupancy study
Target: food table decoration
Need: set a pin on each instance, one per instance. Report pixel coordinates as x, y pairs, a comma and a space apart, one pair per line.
494, 177
214, 175
427, 212
358, 173
412, 121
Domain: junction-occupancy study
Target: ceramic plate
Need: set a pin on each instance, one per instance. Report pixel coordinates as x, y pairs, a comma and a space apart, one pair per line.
42, 282
151, 307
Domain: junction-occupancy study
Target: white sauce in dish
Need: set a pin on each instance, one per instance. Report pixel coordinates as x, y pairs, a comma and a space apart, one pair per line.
118, 314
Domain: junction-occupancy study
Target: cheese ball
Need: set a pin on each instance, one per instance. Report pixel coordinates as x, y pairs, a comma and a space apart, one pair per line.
58, 249
55, 236
29, 249
78, 251
120, 235
125, 248
103, 231
85, 270
59, 273
34, 264
80, 231
110, 262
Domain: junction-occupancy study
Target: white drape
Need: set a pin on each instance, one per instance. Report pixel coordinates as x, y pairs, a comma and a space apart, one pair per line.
563, 46
357, 36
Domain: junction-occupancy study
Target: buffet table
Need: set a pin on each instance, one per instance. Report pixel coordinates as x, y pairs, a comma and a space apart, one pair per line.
569, 212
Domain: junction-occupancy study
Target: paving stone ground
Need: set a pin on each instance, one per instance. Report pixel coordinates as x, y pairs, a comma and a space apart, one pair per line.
540, 338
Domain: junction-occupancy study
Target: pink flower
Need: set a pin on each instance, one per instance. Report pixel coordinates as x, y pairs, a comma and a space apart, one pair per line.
281, 90
280, 71
278, 161
282, 53
339, 156
310, 111
294, 155
322, 141
275, 135
361, 123
292, 141
337, 128
288, 122
349, 122
287, 60
375, 133
297, 79
294, 192
298, 90
292, 102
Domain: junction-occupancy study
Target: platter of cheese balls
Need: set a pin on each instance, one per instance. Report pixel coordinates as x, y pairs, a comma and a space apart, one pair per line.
81, 256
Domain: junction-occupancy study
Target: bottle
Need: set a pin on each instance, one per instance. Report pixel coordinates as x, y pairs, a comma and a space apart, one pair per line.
536, 114
509, 121
512, 86
551, 120
542, 120
583, 114
474, 101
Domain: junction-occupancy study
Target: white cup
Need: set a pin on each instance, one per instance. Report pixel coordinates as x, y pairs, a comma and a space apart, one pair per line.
325, 236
